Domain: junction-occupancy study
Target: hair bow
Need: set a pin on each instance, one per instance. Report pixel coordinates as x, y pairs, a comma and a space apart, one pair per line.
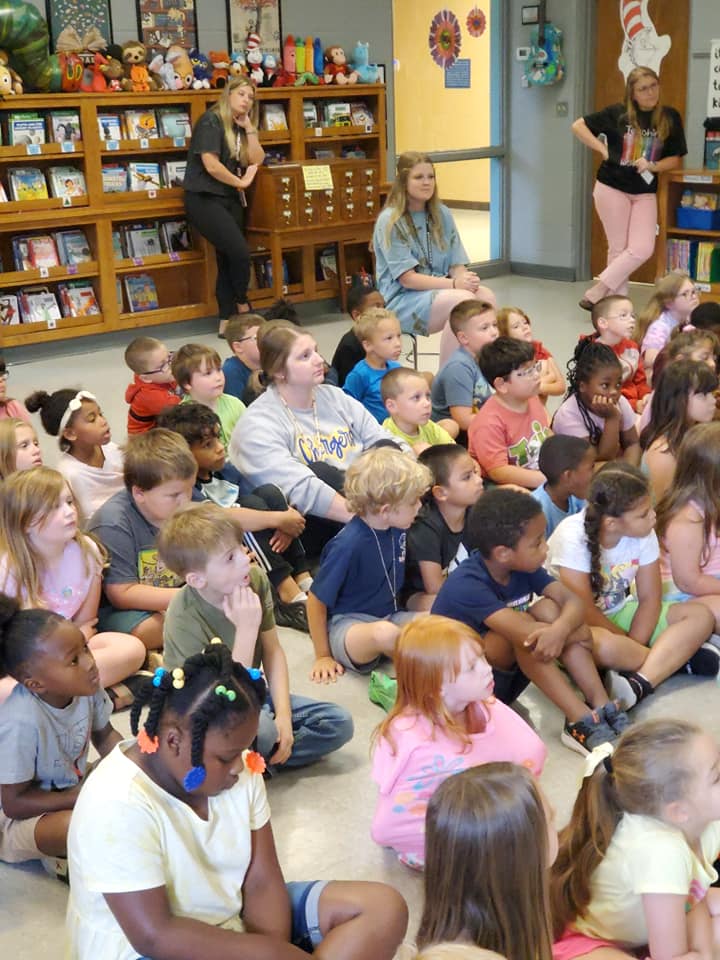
597, 756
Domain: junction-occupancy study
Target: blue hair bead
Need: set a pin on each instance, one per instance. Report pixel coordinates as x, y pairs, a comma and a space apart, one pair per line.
159, 674
255, 674
194, 778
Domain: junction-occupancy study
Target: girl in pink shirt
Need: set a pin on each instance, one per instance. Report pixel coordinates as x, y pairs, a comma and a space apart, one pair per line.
19, 447
9, 407
46, 562
673, 300
445, 719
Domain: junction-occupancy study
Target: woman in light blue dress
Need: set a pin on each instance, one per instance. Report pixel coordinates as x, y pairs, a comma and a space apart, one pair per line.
420, 262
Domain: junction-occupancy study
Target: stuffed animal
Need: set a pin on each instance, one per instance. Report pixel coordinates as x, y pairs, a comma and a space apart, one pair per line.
220, 60
254, 57
180, 60
114, 72
93, 80
238, 64
202, 70
10, 82
270, 69
136, 71
336, 67
167, 76
367, 72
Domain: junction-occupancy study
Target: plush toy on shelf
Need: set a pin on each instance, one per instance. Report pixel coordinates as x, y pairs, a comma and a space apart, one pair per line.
254, 57
134, 57
113, 69
270, 69
220, 60
336, 67
167, 76
238, 64
202, 70
367, 72
178, 57
10, 82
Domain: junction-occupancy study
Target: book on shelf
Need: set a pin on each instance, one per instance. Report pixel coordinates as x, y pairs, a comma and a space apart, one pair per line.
119, 294
110, 126
78, 299
38, 305
67, 182
73, 247
144, 176
3, 194
119, 249
174, 123
21, 252
327, 262
64, 126
141, 125
143, 240
310, 113
273, 117
141, 292
25, 129
361, 115
27, 183
114, 178
42, 251
174, 172
337, 114
9, 309
175, 235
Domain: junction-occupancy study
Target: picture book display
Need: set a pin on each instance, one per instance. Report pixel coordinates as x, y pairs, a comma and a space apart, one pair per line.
174, 172
176, 235
114, 178
110, 126
64, 127
141, 125
174, 124
67, 182
38, 305
144, 176
26, 129
73, 247
9, 309
141, 293
42, 252
78, 299
27, 183
273, 117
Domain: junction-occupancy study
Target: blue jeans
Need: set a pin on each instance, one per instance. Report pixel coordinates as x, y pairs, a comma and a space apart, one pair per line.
318, 728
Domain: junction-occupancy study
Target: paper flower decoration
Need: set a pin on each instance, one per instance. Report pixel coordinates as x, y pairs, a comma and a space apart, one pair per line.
444, 39
254, 762
476, 22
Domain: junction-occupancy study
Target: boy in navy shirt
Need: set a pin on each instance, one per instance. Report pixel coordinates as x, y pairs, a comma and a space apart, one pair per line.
492, 592
241, 333
352, 606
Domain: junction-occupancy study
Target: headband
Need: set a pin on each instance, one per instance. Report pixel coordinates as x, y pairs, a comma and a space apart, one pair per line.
600, 754
73, 407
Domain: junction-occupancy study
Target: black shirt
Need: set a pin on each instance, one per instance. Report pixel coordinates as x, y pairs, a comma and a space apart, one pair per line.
626, 145
209, 137
431, 539
347, 353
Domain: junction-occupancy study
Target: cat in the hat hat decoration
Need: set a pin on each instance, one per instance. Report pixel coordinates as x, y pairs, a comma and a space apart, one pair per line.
642, 47
254, 57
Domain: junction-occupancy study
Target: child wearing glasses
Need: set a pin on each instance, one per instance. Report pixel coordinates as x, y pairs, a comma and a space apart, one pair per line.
613, 318
670, 306
153, 387
241, 334
506, 434
9, 408
90, 462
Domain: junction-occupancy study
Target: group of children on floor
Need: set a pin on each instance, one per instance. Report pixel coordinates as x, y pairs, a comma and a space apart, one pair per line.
127, 570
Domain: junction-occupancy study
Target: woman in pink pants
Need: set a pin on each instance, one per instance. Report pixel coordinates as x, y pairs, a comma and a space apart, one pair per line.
637, 139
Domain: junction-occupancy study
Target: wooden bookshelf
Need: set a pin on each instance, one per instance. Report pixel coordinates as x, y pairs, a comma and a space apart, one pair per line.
670, 190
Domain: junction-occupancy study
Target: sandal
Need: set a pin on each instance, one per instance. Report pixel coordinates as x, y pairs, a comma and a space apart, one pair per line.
586, 304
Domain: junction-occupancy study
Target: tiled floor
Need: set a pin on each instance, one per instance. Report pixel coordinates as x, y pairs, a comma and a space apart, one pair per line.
321, 816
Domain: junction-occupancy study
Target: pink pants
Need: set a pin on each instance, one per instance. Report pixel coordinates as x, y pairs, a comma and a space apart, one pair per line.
629, 222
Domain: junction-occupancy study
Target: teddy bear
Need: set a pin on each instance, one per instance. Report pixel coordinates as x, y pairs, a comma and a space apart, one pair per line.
136, 71
178, 57
367, 72
113, 71
220, 60
202, 70
336, 67
10, 82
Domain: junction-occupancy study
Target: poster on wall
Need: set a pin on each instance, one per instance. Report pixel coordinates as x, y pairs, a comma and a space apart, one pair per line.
255, 16
82, 15
164, 22
713, 104
641, 46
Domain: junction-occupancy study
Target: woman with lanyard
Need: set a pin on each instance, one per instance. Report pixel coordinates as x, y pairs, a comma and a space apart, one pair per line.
222, 162
420, 263
637, 139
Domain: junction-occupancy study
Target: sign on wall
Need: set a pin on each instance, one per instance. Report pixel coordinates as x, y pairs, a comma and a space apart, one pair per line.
713, 104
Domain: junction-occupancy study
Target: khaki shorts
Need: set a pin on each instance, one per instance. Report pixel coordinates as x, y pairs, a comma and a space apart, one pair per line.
17, 839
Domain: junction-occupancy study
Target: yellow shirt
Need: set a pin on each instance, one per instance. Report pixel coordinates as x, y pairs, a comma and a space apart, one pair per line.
431, 433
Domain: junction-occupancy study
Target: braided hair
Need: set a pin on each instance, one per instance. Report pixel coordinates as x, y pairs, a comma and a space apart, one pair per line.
210, 688
589, 357
616, 488
21, 632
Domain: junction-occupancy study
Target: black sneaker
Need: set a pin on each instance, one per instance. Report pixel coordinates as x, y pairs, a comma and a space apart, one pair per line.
293, 615
588, 732
641, 686
705, 662
616, 718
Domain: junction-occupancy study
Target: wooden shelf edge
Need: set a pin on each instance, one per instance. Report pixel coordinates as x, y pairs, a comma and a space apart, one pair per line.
32, 332
159, 260
18, 151
21, 278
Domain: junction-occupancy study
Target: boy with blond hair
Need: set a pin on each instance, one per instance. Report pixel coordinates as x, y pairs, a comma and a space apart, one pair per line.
613, 318
153, 387
353, 608
406, 396
159, 473
241, 333
225, 596
198, 371
378, 330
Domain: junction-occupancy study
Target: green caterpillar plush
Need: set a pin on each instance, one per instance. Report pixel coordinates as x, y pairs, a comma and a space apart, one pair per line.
24, 35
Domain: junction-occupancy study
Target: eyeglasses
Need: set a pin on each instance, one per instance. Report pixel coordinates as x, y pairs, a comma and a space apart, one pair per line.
165, 365
686, 294
252, 336
650, 88
530, 371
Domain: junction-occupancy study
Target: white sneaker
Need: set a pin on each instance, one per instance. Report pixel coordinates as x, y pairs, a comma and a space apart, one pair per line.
57, 867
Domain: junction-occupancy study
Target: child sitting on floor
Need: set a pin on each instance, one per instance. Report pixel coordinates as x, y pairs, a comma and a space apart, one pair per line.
514, 322
378, 330
435, 540
702, 346
460, 389
406, 396
153, 387
634, 872
353, 608
171, 849
19, 447
594, 407
8, 406
241, 333
506, 434
224, 596
159, 473
670, 306
445, 719
57, 707
492, 592
90, 462
613, 318
350, 351
198, 371
568, 463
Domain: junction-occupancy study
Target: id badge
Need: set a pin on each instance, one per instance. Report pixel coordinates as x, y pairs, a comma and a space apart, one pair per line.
243, 198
